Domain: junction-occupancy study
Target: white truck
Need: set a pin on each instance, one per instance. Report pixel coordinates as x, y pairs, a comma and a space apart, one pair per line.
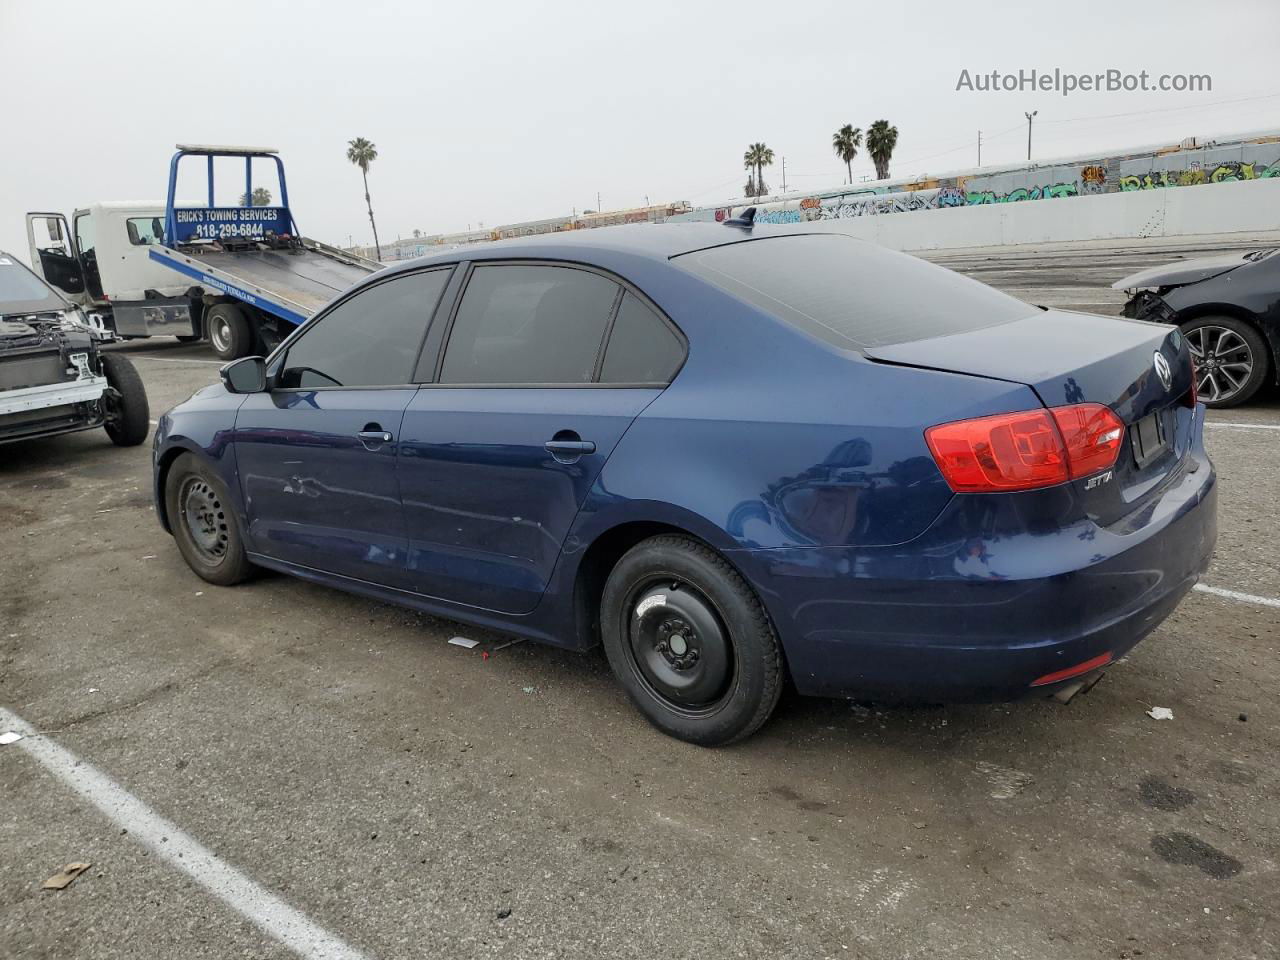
239, 275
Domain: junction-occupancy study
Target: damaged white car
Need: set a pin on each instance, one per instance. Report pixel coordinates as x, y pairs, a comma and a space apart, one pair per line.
54, 377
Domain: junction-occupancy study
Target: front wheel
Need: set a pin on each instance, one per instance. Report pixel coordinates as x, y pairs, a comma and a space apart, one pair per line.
1231, 359
128, 413
204, 522
690, 642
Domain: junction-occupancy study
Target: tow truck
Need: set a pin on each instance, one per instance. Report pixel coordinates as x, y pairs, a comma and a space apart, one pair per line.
241, 275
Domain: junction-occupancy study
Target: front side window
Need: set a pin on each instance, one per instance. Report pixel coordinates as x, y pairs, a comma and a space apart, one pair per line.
370, 339
529, 324
642, 348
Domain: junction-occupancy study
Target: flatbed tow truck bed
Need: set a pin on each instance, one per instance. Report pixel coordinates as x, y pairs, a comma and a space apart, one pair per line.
291, 283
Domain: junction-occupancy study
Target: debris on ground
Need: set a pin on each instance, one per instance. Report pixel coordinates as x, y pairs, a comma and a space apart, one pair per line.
530, 689
62, 879
464, 642
8, 737
1160, 713
504, 913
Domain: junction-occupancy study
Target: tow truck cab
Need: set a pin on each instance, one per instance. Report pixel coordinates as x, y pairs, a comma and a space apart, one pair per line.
99, 262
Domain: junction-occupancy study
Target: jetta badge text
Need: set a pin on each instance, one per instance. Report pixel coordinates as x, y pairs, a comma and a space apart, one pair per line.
1163, 371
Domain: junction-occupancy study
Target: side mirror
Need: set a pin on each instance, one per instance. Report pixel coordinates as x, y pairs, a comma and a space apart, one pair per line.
247, 375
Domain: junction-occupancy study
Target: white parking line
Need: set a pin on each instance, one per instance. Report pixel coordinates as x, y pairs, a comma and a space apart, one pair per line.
1236, 595
268, 912
143, 356
1242, 426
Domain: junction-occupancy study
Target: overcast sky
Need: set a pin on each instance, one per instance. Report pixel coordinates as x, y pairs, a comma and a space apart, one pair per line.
496, 112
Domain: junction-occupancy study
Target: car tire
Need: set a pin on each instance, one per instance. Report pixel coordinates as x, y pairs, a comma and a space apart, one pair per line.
690, 642
230, 335
1240, 342
204, 522
128, 413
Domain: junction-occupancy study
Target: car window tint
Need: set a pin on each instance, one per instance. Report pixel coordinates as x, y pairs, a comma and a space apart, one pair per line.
528, 324
369, 340
853, 294
642, 348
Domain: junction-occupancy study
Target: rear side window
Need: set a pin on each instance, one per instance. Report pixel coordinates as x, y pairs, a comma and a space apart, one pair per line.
642, 348
370, 339
529, 324
852, 294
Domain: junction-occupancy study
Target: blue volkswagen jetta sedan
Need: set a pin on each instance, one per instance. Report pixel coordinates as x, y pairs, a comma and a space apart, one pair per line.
732, 455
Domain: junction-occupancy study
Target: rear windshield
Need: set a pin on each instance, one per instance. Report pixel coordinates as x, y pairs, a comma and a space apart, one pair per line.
850, 293
22, 291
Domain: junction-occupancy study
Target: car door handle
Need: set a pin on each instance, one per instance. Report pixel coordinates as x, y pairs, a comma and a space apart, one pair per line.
374, 436
570, 448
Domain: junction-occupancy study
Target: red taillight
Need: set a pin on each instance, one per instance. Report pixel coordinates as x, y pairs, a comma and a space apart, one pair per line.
1026, 450
1190, 396
1093, 435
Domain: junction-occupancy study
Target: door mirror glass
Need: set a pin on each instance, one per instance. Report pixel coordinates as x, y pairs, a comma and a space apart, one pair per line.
54, 226
247, 375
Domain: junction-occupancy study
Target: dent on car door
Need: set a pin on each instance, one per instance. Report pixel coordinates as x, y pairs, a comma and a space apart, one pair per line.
500, 452
316, 453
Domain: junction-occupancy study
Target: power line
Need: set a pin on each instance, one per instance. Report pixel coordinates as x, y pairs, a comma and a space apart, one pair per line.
1138, 113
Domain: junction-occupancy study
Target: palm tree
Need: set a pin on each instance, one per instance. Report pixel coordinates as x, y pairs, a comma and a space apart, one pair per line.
362, 153
881, 139
846, 142
757, 157
261, 197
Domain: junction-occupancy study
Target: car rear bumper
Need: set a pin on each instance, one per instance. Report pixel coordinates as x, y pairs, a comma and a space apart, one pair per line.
980, 619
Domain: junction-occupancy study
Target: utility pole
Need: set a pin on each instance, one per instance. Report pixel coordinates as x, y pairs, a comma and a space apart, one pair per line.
597, 201
979, 148
784, 174
1029, 116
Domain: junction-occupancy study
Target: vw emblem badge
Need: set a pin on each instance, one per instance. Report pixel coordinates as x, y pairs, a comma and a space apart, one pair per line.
1163, 371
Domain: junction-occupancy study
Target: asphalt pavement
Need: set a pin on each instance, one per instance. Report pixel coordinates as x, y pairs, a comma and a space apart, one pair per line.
278, 763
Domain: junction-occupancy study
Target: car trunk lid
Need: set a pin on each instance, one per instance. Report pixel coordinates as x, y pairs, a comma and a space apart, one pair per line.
1070, 358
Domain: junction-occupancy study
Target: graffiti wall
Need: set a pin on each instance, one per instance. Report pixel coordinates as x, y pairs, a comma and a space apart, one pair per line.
1182, 167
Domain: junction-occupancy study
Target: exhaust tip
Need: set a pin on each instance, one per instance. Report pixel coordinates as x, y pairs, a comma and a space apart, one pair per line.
1065, 695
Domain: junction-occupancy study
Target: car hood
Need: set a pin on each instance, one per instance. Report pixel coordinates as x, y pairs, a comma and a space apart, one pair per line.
1183, 272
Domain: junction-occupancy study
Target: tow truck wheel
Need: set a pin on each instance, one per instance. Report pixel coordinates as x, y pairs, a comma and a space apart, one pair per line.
229, 331
128, 414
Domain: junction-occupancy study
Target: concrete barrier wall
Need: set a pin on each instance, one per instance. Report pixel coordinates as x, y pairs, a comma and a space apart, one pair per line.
1247, 206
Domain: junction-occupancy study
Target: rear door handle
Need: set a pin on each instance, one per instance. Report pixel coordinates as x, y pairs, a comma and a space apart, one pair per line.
570, 448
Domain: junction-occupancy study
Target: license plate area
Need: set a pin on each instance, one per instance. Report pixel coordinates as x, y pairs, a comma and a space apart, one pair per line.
1149, 438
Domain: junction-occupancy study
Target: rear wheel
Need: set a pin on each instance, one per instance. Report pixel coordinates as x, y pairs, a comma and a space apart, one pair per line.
690, 642
204, 522
128, 413
229, 332
1231, 359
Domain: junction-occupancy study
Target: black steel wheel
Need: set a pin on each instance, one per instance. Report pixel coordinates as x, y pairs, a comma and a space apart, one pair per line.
690, 642
204, 523
1231, 359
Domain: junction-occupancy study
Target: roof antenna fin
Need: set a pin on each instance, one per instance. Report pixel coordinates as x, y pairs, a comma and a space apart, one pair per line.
746, 219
